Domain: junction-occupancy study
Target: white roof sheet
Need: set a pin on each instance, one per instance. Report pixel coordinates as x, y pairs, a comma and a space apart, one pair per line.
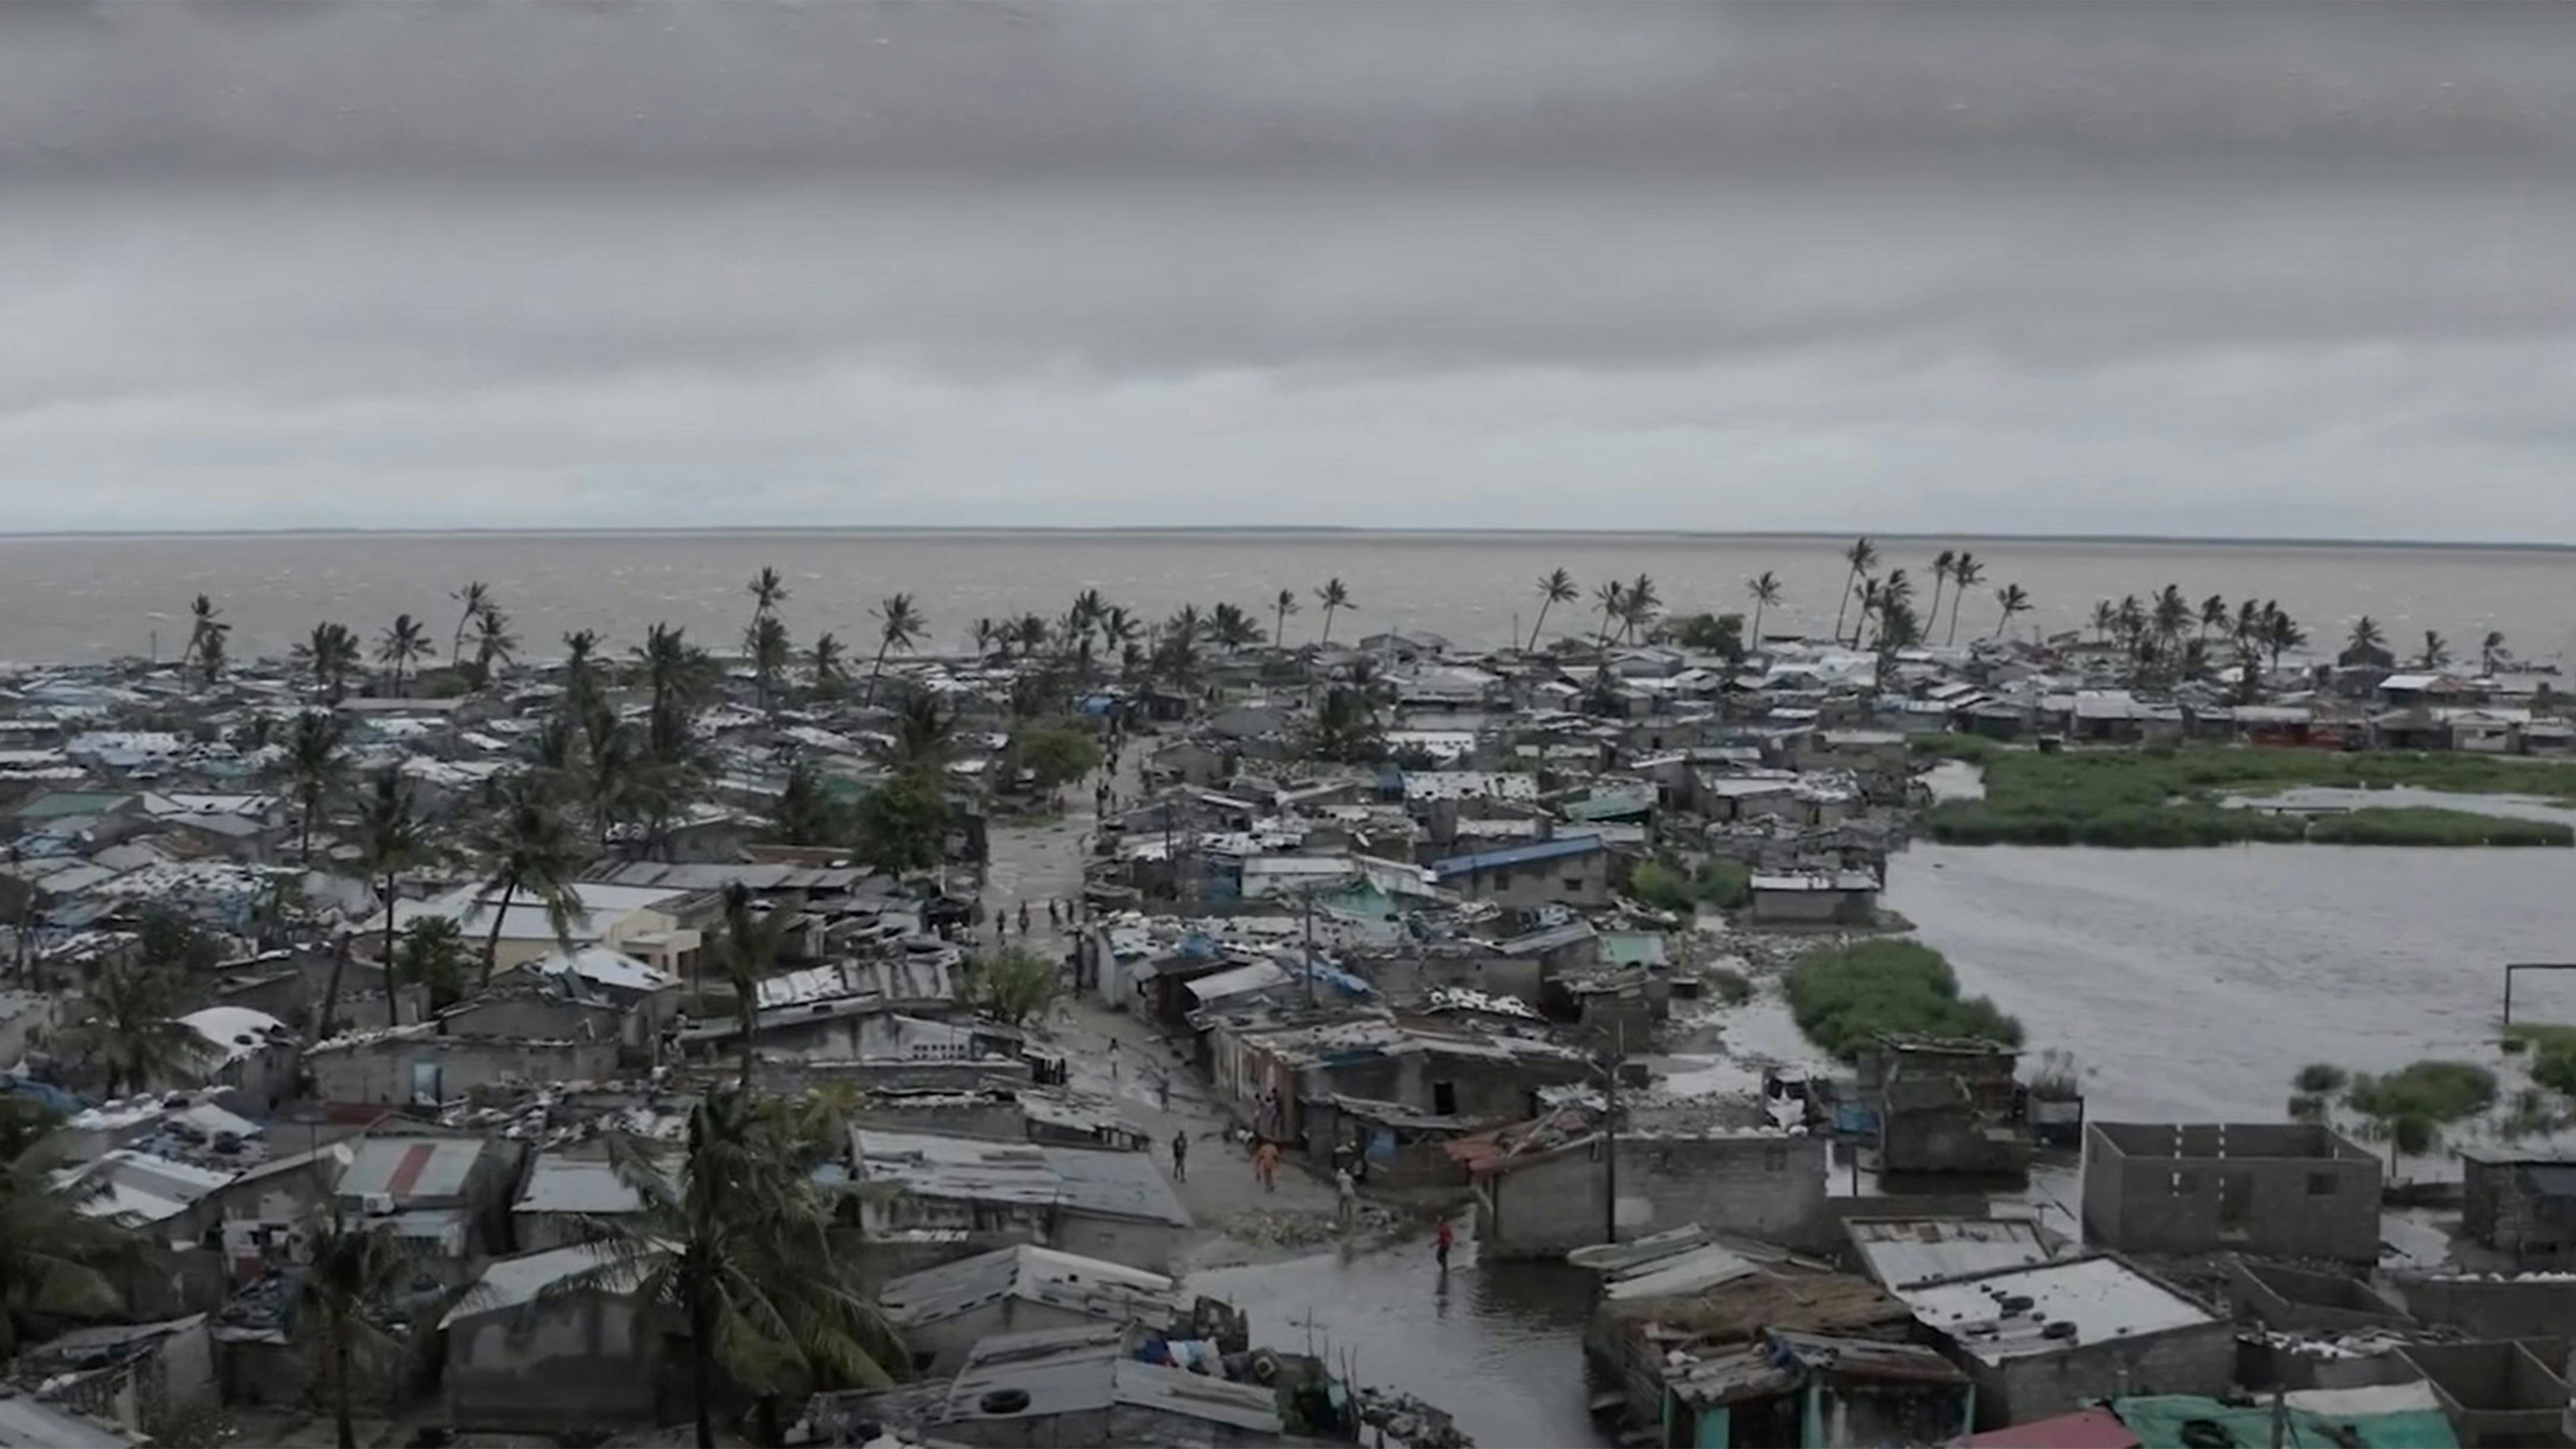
2099, 1297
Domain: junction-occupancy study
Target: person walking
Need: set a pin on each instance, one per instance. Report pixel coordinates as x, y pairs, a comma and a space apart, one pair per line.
1265, 1165
1054, 921
1181, 1159
1442, 1239
1113, 1059
1024, 920
1348, 1205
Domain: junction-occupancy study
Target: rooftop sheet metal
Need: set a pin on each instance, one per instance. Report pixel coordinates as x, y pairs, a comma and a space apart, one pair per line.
418, 1168
511, 1282
1562, 847
2092, 1299
1110, 1292
1904, 1252
558, 1184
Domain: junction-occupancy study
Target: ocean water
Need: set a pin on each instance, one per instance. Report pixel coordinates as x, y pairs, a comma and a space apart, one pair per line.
91, 598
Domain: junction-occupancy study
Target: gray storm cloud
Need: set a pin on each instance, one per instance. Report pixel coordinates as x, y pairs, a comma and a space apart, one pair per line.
2087, 268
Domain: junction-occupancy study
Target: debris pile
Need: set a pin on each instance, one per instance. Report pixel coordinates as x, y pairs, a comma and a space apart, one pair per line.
1407, 1419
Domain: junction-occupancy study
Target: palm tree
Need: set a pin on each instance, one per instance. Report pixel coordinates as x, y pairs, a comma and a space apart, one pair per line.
767, 591
2365, 639
2012, 601
1232, 629
804, 814
315, 769
581, 671
1941, 565
1613, 599
770, 653
56, 1251
402, 645
1898, 590
608, 786
434, 953
2437, 651
1867, 593
1862, 556
351, 1303
924, 733
2105, 618
1965, 573
494, 644
391, 841
2280, 634
1556, 588
747, 950
1282, 607
1898, 628
133, 1033
2170, 616
328, 658
530, 853
1765, 590
985, 633
742, 1248
676, 678
898, 624
830, 668
1119, 629
1640, 608
476, 597
2213, 613
1031, 631
2490, 651
206, 631
1335, 598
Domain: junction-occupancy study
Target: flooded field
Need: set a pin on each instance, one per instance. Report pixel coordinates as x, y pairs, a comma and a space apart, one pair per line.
2192, 983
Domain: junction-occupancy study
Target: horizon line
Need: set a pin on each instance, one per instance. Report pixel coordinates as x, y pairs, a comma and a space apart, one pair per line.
1316, 529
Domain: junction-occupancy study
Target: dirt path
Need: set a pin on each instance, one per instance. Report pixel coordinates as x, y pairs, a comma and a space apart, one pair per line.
1148, 1076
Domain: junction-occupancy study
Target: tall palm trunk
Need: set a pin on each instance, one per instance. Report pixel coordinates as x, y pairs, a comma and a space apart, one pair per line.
1937, 581
1757, 622
1954, 616
1535, 629
342, 1419
702, 1360
393, 1012
492, 938
878, 672
331, 988
1849, 579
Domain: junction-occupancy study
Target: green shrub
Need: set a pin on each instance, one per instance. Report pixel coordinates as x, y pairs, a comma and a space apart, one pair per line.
1845, 997
1725, 883
2435, 1091
1975, 749
1727, 986
2320, 1077
2420, 825
1661, 886
2307, 1107
2555, 1068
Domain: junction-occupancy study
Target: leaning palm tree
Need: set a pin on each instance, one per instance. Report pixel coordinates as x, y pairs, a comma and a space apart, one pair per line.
1765, 590
2012, 600
1612, 598
206, 631
1867, 593
391, 840
315, 769
57, 1252
2365, 640
475, 597
1941, 565
1640, 607
2437, 651
528, 851
2490, 651
747, 951
132, 1032
402, 645
1335, 597
1233, 630
985, 633
1281, 607
1965, 573
2213, 613
899, 623
581, 671
353, 1303
1557, 587
1862, 556
744, 1251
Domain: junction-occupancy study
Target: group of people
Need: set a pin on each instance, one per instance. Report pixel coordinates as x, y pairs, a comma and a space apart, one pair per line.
1058, 916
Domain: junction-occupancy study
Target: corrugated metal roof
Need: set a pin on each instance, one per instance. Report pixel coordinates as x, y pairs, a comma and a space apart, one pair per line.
24, 1421
1560, 848
1110, 1292
416, 1169
510, 1282
1259, 976
1903, 1252
1121, 1184
558, 1184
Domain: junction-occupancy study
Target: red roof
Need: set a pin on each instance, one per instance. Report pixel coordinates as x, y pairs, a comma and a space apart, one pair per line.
2085, 1429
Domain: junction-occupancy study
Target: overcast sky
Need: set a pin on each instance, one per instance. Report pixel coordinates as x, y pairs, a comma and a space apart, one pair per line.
2093, 267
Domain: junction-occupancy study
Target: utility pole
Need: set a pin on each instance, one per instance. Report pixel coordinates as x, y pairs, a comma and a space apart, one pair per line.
1610, 1141
1310, 945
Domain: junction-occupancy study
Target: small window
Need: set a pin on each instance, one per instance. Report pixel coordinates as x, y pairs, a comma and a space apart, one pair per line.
2321, 1184
1574, 885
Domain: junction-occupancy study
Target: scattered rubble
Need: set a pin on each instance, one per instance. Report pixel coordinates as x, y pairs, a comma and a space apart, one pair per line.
1408, 1420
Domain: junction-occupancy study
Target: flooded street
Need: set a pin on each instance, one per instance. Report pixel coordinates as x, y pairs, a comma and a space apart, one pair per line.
2193, 983
1498, 1346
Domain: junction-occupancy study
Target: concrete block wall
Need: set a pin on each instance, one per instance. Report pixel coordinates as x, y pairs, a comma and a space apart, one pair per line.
2196, 1360
2288, 1191
1764, 1186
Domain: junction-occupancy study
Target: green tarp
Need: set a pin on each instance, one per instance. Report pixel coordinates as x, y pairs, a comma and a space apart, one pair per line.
2186, 1421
